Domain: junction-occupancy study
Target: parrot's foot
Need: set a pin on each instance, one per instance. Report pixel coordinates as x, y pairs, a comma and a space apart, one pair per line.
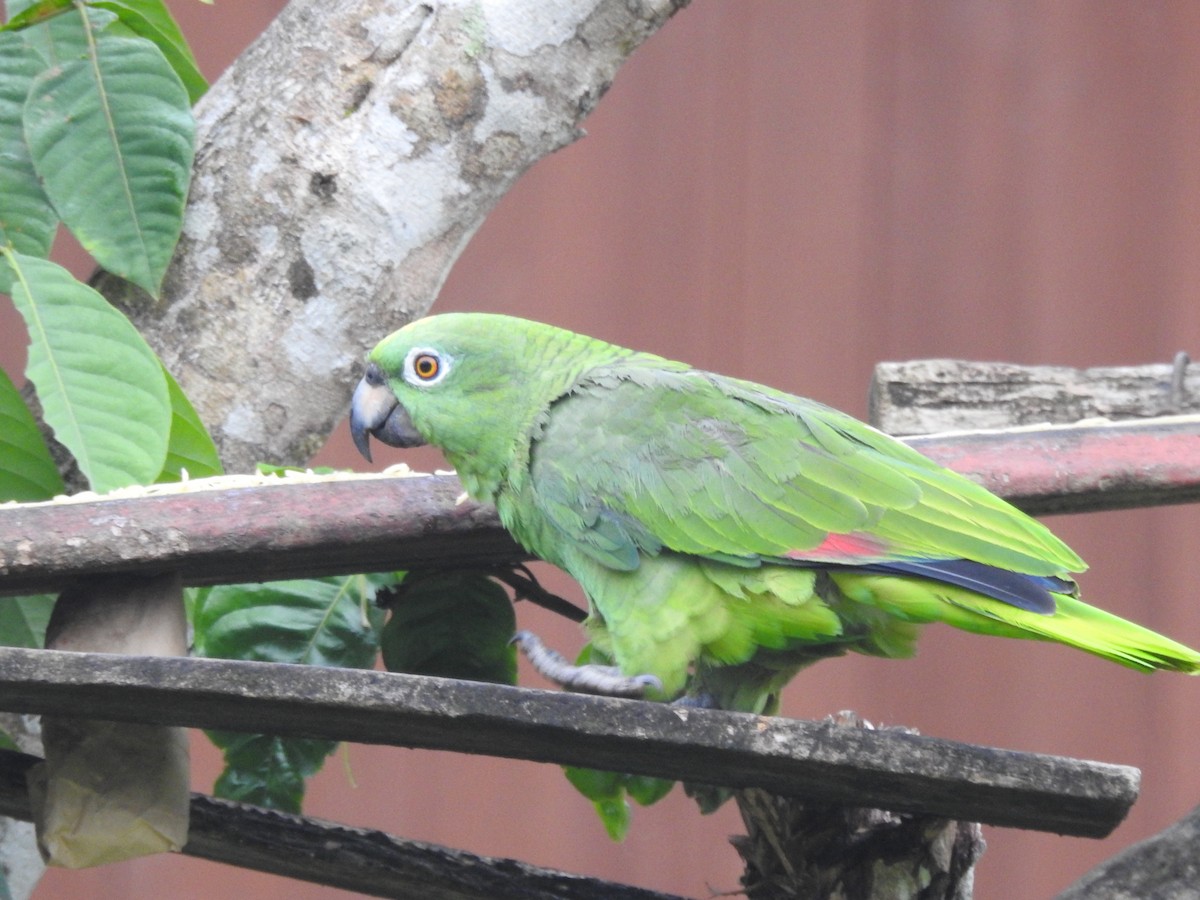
604, 680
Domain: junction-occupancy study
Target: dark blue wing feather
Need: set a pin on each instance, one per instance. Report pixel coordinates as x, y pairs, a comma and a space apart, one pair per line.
1028, 592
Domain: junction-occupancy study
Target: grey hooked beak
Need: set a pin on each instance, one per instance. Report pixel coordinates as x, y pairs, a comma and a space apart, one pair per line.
375, 411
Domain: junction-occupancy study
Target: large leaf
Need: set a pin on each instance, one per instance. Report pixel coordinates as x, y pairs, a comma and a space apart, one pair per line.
451, 624
152, 20
101, 387
329, 621
23, 620
27, 472
27, 220
266, 770
318, 621
190, 448
111, 137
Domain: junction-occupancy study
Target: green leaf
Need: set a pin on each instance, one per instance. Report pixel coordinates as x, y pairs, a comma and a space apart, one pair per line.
27, 471
152, 20
101, 387
190, 447
452, 624
31, 12
328, 621
268, 771
23, 620
64, 37
319, 621
13, 8
111, 138
27, 220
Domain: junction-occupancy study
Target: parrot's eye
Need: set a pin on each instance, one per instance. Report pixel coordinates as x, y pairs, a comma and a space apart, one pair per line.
425, 367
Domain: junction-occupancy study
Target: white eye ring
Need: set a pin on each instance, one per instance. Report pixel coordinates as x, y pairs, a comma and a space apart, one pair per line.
425, 367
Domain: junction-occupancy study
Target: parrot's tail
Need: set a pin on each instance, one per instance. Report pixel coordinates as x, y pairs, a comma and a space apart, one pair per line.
1073, 622
1104, 634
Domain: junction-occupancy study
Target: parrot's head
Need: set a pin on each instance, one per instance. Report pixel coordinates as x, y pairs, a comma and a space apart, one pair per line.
471, 384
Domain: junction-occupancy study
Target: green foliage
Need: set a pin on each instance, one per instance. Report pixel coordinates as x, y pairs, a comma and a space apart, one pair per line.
266, 770
23, 620
28, 472
27, 221
189, 448
101, 387
453, 625
152, 20
96, 132
149, 19
325, 622
111, 136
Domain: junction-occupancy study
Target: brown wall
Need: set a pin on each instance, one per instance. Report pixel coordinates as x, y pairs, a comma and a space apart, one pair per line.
791, 192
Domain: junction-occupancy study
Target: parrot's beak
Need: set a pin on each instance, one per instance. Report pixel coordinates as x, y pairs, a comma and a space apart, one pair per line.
375, 411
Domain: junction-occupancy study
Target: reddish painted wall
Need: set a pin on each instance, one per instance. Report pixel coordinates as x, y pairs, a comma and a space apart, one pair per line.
790, 192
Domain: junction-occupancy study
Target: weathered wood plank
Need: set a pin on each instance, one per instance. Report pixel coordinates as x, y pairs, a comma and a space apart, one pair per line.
927, 396
366, 525
266, 533
1082, 467
363, 860
821, 761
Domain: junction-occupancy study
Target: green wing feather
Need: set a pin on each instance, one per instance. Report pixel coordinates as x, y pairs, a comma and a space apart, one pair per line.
647, 453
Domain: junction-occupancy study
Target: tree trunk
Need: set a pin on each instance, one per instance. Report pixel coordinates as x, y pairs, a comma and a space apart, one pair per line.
342, 164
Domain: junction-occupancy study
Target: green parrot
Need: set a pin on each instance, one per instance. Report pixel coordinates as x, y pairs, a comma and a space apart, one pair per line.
725, 533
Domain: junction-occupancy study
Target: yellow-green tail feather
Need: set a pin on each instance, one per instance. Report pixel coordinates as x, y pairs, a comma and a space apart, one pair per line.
1073, 623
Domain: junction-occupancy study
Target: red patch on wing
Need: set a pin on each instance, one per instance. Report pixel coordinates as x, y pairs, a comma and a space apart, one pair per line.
855, 545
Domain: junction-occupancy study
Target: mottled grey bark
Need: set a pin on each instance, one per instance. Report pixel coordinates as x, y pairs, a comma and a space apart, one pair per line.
343, 162
927, 396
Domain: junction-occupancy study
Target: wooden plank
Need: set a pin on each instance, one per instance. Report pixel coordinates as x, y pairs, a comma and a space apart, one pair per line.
1084, 467
377, 524
363, 860
262, 533
928, 396
820, 761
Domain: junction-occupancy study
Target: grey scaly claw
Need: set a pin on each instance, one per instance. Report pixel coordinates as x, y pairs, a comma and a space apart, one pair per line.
606, 681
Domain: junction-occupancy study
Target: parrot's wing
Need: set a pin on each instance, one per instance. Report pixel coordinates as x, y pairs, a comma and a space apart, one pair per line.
638, 457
